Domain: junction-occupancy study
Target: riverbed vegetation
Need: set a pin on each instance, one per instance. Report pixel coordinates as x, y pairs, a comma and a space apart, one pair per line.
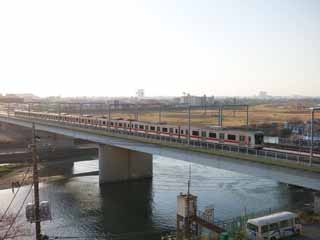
8, 168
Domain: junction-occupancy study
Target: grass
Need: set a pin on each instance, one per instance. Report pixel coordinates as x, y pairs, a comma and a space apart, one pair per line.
6, 169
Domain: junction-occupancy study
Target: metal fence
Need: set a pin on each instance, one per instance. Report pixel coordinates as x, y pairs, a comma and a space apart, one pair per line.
234, 225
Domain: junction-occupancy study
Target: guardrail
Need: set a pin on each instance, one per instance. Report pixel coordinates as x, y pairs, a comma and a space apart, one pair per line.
285, 157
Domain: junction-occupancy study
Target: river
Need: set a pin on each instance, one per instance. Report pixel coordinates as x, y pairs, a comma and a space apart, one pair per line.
82, 209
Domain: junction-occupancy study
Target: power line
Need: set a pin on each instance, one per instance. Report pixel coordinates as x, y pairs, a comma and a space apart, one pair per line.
15, 218
14, 196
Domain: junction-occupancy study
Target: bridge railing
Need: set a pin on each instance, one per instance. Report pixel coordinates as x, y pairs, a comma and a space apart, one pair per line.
259, 154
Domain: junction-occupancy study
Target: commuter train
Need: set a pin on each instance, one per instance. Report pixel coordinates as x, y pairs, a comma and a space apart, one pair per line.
252, 139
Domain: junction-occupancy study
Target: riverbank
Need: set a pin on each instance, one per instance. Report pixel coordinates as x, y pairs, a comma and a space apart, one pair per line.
7, 168
22, 174
47, 155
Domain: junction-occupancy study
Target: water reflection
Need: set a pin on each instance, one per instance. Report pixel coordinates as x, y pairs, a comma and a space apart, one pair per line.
142, 209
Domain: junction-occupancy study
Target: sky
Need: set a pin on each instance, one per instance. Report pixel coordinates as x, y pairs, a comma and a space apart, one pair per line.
166, 47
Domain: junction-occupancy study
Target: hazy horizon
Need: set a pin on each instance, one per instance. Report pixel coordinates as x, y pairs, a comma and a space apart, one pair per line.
112, 48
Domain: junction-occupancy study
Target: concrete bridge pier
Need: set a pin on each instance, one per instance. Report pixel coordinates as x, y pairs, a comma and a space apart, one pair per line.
119, 164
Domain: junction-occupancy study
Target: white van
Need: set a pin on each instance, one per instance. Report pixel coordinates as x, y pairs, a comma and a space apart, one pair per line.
273, 226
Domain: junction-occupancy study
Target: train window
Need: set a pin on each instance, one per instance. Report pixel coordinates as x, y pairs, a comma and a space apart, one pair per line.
171, 130
181, 131
258, 138
89, 121
164, 129
147, 127
187, 132
158, 129
203, 134
120, 124
195, 133
152, 128
141, 126
136, 126
104, 122
176, 131
111, 123
212, 135
249, 139
242, 138
221, 135
231, 137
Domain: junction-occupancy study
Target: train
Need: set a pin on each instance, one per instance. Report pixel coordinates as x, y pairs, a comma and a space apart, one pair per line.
235, 137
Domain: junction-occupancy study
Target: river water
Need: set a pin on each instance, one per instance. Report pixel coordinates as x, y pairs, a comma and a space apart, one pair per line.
143, 209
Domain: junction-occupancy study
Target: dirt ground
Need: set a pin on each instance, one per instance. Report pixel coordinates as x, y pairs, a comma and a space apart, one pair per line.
259, 114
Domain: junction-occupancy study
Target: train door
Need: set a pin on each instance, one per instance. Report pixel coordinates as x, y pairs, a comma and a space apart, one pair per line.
170, 132
221, 137
203, 135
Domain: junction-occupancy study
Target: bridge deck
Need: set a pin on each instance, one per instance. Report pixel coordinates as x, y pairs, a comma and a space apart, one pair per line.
297, 177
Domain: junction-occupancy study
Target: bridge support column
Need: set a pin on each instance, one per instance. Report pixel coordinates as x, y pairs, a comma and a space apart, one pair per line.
119, 164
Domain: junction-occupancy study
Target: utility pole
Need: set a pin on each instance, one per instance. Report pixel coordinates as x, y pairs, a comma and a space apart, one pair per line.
311, 131
109, 116
36, 184
313, 109
189, 123
80, 109
234, 103
220, 115
247, 116
29, 109
59, 109
188, 229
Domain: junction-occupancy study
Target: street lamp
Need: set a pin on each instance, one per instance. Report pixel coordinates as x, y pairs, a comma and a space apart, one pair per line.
313, 109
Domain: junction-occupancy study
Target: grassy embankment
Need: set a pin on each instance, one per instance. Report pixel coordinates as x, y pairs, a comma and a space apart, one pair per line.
6, 169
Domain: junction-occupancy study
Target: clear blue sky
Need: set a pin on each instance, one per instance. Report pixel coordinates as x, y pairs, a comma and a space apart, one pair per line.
167, 47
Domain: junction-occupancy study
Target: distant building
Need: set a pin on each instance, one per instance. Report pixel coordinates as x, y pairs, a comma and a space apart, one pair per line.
25, 96
11, 99
263, 94
196, 100
140, 93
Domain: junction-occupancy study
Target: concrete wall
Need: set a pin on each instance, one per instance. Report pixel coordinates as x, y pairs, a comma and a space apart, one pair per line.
119, 164
54, 140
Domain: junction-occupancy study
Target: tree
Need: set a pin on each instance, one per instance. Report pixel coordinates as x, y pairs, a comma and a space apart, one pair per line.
16, 230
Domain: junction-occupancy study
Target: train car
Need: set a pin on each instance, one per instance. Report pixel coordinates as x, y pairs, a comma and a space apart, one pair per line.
252, 139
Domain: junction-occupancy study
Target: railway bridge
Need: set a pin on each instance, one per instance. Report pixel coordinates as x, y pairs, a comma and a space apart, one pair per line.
126, 157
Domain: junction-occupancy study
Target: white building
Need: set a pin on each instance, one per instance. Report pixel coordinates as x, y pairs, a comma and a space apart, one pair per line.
196, 100
140, 93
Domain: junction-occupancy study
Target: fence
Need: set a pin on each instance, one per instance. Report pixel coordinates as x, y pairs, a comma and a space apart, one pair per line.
234, 225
